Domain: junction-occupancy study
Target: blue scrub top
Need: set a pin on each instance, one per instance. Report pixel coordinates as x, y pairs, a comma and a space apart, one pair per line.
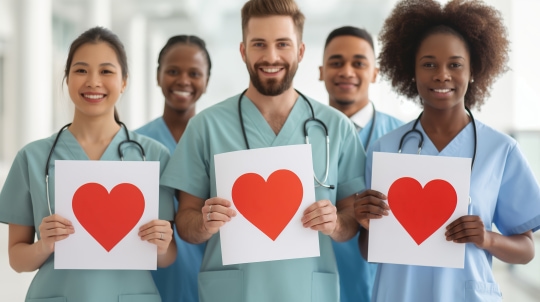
503, 191
191, 169
356, 275
23, 201
178, 282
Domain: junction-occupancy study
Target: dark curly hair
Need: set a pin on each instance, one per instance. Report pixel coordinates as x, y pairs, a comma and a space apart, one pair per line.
480, 26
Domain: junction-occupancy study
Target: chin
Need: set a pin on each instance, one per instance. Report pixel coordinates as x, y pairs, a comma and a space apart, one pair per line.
344, 102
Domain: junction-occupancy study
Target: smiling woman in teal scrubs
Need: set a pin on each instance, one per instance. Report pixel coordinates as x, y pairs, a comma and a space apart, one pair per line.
96, 76
183, 72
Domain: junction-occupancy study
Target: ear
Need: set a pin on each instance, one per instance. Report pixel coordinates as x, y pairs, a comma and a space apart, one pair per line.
321, 73
124, 84
243, 51
375, 74
301, 50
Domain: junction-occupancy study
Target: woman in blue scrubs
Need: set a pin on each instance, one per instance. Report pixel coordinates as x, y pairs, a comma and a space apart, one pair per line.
447, 58
96, 76
183, 73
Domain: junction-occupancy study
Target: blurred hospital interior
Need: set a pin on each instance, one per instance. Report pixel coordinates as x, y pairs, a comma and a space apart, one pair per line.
34, 103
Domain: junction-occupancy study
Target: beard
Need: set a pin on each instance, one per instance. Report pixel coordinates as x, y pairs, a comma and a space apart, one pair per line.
272, 87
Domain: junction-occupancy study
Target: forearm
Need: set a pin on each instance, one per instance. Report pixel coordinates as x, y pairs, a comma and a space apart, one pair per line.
189, 223
169, 257
515, 249
25, 257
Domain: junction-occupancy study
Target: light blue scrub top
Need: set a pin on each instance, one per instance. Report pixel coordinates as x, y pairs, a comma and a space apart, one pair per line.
356, 275
23, 201
191, 169
178, 282
503, 191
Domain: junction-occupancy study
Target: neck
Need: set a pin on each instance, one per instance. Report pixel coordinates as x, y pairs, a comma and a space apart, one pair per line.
349, 109
93, 129
274, 109
177, 120
443, 125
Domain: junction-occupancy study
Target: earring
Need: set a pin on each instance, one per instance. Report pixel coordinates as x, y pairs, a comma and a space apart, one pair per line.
472, 80
413, 80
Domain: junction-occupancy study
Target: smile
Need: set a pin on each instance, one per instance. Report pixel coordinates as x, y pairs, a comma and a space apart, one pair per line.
94, 96
447, 90
182, 93
271, 70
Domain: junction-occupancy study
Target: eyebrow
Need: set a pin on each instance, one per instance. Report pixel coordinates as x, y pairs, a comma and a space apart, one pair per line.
264, 40
433, 57
86, 64
334, 57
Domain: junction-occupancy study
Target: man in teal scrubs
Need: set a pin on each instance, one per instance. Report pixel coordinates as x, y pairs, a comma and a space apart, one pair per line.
348, 70
272, 114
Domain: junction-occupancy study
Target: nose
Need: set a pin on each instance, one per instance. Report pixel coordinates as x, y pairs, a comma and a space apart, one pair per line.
442, 75
93, 79
272, 55
346, 71
183, 79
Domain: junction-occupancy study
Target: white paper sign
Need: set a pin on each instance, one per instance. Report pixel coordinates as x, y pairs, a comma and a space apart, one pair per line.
422, 204
270, 188
107, 202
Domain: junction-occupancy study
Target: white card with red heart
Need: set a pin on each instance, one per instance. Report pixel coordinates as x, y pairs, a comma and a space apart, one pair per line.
107, 202
269, 188
425, 194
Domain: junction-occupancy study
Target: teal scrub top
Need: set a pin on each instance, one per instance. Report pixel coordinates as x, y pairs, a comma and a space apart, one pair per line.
23, 201
177, 282
503, 191
191, 169
356, 275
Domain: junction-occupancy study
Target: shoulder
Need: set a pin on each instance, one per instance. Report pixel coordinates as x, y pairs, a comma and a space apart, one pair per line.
388, 119
491, 138
39, 147
150, 127
150, 145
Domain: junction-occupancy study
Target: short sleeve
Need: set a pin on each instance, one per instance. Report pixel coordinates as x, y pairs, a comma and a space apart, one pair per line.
188, 169
15, 198
518, 203
351, 164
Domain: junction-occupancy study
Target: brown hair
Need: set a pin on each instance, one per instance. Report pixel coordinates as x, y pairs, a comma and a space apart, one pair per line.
265, 8
97, 35
480, 26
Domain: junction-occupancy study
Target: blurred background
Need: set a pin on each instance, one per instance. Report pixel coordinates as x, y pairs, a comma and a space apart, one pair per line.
35, 36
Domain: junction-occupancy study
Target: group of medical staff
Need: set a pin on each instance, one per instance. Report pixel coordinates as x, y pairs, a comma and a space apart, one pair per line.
444, 57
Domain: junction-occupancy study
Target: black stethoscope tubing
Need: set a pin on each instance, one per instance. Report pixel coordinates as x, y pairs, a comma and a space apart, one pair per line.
120, 153
310, 119
374, 119
421, 136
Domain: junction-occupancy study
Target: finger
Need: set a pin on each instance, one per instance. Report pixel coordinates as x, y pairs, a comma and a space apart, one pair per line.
462, 219
367, 216
57, 218
372, 209
217, 201
327, 210
216, 208
468, 239
157, 223
324, 227
373, 193
57, 232
464, 226
216, 216
465, 233
316, 205
319, 220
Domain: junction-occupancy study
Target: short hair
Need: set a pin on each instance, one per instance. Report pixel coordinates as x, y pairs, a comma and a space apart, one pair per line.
265, 8
350, 31
185, 40
480, 26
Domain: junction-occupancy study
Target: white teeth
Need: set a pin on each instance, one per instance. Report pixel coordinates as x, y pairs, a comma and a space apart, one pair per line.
94, 96
271, 70
182, 93
442, 90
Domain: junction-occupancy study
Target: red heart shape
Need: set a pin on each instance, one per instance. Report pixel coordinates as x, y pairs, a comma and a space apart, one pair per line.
108, 217
268, 205
421, 211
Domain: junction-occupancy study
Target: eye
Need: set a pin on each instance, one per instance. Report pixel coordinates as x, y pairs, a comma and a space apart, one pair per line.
172, 72
80, 70
456, 65
283, 44
107, 71
428, 65
359, 64
195, 74
258, 44
335, 64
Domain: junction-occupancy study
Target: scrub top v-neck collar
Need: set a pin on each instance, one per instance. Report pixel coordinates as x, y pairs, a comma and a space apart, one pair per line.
465, 137
294, 121
111, 153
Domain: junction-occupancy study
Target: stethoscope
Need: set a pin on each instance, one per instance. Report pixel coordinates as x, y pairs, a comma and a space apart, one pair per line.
421, 139
311, 119
374, 119
120, 153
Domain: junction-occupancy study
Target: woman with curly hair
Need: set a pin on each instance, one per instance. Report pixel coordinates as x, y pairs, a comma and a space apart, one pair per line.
447, 58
